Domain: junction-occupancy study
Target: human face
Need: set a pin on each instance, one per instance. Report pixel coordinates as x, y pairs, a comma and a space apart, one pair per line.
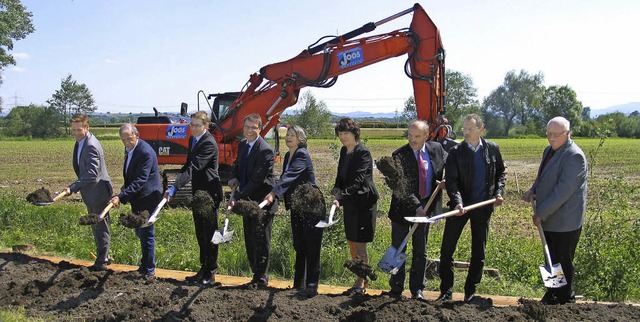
292, 140
129, 140
471, 132
557, 135
79, 131
198, 127
416, 137
251, 130
347, 139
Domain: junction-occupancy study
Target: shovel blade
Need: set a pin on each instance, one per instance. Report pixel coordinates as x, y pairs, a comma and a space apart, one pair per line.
392, 260
324, 224
221, 237
553, 277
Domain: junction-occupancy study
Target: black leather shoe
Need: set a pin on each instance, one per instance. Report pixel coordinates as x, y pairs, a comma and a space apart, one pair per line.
207, 280
98, 267
354, 291
470, 298
566, 300
195, 278
549, 298
417, 295
394, 294
444, 297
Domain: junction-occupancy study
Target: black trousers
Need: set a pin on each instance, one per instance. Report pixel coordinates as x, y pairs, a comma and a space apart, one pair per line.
205, 227
419, 237
562, 246
257, 240
307, 241
452, 230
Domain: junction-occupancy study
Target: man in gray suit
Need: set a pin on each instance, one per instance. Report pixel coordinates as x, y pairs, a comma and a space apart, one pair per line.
93, 183
560, 191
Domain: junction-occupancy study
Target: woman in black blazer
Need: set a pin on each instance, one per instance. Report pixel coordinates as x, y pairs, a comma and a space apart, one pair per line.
297, 169
355, 192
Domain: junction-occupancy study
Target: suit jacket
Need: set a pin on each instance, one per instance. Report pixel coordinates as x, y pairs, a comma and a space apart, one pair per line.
410, 169
142, 186
93, 181
561, 189
459, 172
201, 167
300, 171
260, 179
357, 186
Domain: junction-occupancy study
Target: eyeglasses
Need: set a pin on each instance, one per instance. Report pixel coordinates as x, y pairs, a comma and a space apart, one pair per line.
556, 135
196, 125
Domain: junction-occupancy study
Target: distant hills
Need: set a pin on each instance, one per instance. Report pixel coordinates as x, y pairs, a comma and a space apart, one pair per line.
627, 109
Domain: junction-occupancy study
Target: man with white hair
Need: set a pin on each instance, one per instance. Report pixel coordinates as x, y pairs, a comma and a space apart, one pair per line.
560, 190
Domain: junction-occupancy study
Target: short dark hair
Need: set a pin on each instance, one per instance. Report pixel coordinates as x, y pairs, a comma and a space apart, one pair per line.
475, 117
253, 118
347, 124
80, 118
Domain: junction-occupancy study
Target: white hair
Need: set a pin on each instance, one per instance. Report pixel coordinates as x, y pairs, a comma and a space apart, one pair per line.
560, 121
128, 127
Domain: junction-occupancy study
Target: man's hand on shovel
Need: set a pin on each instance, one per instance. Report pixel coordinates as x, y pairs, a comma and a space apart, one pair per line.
115, 201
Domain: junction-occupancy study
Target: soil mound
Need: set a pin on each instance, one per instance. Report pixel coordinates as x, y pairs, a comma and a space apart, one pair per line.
308, 201
134, 220
41, 195
361, 268
89, 219
248, 208
67, 292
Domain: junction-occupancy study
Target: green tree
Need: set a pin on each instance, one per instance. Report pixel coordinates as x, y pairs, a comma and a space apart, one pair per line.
72, 98
33, 121
15, 24
313, 117
562, 101
517, 102
410, 112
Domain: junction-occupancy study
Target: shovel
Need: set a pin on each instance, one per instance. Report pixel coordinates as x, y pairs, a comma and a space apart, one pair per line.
425, 220
224, 235
56, 198
552, 275
154, 216
394, 257
330, 222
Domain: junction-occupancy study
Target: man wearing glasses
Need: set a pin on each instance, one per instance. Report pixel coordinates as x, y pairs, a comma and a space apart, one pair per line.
253, 178
560, 190
474, 172
202, 169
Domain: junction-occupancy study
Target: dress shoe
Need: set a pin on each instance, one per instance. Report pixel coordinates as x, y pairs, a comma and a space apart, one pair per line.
354, 290
195, 278
311, 290
549, 298
394, 294
444, 297
148, 278
566, 300
470, 298
417, 295
98, 267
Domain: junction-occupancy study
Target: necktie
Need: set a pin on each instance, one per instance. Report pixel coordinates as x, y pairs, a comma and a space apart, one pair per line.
422, 176
193, 146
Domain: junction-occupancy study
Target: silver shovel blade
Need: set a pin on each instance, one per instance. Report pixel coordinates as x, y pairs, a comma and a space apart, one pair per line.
554, 277
221, 237
392, 260
324, 224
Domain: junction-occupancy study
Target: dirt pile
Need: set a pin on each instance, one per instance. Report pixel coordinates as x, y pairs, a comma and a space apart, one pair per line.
89, 219
41, 195
308, 201
361, 268
248, 208
68, 292
134, 220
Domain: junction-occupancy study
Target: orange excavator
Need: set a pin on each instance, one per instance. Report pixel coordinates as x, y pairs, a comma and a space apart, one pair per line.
276, 87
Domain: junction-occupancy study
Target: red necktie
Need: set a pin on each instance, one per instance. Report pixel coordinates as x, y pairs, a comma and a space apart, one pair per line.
422, 176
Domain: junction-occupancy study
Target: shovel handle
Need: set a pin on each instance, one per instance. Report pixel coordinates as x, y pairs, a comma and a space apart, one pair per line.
157, 210
59, 196
545, 246
332, 212
106, 210
415, 225
263, 203
455, 212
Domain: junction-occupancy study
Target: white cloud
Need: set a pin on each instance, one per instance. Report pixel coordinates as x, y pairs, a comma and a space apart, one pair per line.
111, 61
18, 69
19, 56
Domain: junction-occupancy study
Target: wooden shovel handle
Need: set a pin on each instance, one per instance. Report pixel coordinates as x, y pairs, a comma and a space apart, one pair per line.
105, 211
59, 196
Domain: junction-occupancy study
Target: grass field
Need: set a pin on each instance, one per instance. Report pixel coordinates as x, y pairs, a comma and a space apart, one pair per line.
513, 247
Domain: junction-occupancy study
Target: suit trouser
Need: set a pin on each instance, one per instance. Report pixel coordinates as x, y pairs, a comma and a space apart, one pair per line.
147, 236
419, 237
100, 195
205, 226
307, 242
562, 246
257, 239
452, 230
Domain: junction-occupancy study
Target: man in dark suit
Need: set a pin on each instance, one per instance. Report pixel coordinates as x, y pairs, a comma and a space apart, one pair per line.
143, 189
561, 193
252, 174
422, 164
202, 169
93, 183
475, 172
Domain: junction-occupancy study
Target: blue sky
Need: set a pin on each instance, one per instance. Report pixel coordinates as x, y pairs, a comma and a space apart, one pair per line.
134, 55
